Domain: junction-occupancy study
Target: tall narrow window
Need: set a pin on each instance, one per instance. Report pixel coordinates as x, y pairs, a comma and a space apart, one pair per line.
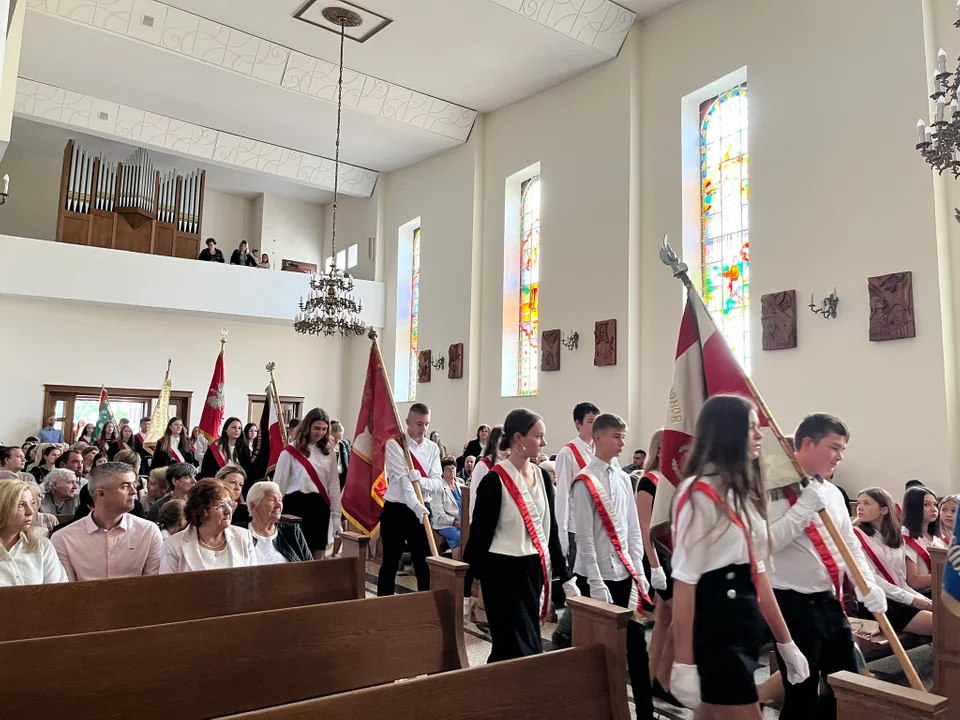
725, 235
529, 345
414, 315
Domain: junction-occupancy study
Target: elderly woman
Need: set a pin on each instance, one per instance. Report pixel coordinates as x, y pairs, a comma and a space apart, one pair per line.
210, 542
446, 507
25, 558
273, 542
60, 492
233, 478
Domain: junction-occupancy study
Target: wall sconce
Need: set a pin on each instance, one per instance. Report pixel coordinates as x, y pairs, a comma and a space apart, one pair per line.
6, 187
439, 363
828, 306
572, 341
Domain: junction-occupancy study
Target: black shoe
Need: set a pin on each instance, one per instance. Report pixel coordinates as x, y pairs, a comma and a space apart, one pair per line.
659, 692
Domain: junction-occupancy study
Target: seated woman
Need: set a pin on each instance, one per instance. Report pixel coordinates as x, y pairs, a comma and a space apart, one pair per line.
876, 529
445, 507
948, 517
47, 455
210, 542
60, 492
233, 479
273, 541
25, 558
43, 523
172, 518
921, 530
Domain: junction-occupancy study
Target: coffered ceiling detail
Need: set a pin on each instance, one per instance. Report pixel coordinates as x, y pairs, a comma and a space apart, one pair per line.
601, 24
210, 42
66, 108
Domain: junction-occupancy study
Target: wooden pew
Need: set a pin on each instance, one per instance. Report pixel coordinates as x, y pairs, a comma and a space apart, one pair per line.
864, 698
585, 682
98, 605
946, 638
237, 663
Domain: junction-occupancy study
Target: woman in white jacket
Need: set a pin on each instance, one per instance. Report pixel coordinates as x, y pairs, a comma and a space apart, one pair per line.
210, 542
445, 507
877, 530
25, 557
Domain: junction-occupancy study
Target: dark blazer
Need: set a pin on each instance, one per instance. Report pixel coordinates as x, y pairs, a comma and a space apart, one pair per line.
210, 467
241, 516
343, 461
235, 259
162, 459
486, 514
289, 542
215, 256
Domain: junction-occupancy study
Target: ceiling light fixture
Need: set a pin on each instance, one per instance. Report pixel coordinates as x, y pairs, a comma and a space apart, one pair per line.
331, 307
939, 142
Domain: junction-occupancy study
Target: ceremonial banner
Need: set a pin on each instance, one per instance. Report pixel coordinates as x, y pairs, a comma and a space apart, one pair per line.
105, 415
951, 575
705, 367
160, 417
212, 417
270, 442
366, 482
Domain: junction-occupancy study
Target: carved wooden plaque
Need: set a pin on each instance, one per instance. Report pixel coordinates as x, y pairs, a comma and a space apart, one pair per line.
605, 343
455, 362
425, 366
550, 351
778, 317
891, 307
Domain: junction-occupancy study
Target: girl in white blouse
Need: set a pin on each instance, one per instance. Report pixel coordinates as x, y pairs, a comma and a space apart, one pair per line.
25, 557
877, 531
722, 599
921, 531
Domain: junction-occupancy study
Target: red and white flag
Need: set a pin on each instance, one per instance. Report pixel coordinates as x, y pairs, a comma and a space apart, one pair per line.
705, 367
212, 417
269, 443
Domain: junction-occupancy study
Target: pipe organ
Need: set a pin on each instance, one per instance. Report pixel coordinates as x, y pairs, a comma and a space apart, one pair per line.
129, 205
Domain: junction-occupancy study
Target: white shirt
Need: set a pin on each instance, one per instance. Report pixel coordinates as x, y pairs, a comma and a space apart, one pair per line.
264, 549
511, 536
797, 565
922, 567
707, 539
215, 559
19, 567
567, 469
894, 560
291, 476
596, 558
399, 476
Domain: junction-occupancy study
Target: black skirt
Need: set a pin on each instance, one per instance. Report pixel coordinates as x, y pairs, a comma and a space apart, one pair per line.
728, 631
666, 556
314, 514
898, 614
511, 588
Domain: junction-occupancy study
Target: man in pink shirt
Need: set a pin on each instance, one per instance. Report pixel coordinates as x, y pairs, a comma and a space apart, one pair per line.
109, 542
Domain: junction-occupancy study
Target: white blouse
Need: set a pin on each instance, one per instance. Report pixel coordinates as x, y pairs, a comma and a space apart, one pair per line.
511, 536
894, 561
706, 539
19, 567
922, 567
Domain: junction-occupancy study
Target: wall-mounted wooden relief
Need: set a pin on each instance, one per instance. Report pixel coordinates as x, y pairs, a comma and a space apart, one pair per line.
425, 366
550, 351
778, 317
891, 307
455, 361
605, 343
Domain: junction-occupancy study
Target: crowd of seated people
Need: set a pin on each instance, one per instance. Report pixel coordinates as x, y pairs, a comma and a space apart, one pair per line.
241, 256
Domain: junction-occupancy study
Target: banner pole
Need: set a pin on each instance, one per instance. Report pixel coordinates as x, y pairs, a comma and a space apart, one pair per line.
669, 258
276, 405
403, 443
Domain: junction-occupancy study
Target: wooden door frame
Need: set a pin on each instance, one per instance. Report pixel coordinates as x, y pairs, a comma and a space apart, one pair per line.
262, 398
137, 393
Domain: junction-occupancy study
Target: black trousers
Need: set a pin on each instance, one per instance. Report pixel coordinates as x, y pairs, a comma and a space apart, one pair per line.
638, 662
511, 588
822, 633
399, 526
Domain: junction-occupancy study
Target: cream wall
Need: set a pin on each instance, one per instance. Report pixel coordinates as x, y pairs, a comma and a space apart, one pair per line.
292, 229
356, 223
31, 210
95, 354
229, 219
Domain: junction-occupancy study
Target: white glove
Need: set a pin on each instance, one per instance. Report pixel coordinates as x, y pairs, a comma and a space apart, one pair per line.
570, 588
875, 601
798, 669
601, 593
421, 512
812, 498
658, 578
685, 684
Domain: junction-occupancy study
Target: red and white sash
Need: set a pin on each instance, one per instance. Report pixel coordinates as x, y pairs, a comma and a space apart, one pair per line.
920, 550
819, 544
533, 522
616, 533
874, 558
653, 476
217, 454
175, 454
487, 461
310, 470
707, 489
418, 466
577, 455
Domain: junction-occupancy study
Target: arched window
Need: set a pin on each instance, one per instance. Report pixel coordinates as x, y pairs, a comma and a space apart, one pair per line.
725, 234
529, 342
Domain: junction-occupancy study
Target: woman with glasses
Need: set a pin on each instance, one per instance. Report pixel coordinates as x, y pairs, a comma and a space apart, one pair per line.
210, 542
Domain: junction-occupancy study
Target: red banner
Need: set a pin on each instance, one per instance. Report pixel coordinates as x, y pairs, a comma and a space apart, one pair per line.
212, 417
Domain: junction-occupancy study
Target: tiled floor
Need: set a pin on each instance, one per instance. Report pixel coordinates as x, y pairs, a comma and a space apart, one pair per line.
478, 648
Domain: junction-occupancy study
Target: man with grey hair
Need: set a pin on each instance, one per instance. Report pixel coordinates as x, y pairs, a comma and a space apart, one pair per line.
110, 542
60, 492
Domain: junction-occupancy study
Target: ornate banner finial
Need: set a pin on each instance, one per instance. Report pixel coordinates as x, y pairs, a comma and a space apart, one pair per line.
372, 334
270, 367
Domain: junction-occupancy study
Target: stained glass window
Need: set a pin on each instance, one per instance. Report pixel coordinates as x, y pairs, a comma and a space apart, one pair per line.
725, 233
414, 315
529, 346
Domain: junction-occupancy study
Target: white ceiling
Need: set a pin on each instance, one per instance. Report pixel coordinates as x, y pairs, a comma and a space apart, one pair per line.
477, 54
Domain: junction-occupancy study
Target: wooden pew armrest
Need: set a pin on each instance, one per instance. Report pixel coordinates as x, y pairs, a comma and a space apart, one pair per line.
600, 623
885, 700
449, 576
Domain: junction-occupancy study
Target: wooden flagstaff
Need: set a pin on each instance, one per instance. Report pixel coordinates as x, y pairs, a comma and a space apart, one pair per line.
403, 443
669, 258
275, 399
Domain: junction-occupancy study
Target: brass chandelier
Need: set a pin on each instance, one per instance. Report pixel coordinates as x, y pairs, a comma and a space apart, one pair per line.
331, 306
939, 142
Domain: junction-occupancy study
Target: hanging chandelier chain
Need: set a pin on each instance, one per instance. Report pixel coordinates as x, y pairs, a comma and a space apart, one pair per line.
336, 155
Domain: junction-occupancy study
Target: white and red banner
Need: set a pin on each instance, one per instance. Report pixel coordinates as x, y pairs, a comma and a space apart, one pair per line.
269, 443
212, 416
